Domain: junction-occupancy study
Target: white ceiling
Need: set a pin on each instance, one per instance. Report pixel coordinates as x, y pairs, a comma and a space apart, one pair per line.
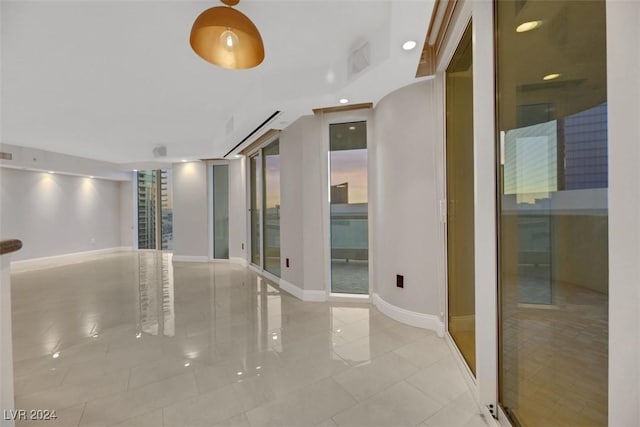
111, 80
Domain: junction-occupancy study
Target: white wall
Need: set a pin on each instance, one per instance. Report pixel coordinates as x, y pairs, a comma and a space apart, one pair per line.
191, 234
406, 215
314, 160
291, 202
56, 214
238, 209
623, 87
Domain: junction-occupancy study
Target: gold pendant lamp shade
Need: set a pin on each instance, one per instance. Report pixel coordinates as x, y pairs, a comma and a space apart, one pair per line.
225, 37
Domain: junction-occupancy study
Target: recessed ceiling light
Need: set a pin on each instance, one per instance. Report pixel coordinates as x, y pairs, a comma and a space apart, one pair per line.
51, 172
352, 128
135, 170
183, 161
92, 177
528, 26
408, 45
237, 156
343, 101
552, 76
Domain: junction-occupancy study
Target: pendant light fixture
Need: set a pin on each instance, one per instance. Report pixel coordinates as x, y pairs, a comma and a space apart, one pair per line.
225, 37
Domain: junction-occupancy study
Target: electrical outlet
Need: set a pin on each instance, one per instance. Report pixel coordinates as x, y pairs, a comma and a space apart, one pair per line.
287, 262
400, 280
243, 246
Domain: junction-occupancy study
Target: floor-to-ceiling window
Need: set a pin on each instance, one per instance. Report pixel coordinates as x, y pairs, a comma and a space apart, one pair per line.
553, 215
460, 200
271, 206
220, 176
349, 208
155, 210
264, 202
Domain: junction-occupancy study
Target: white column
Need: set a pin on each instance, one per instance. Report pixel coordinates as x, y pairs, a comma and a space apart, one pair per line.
6, 346
623, 89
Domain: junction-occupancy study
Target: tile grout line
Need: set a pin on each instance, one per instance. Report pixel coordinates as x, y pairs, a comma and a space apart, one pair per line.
84, 406
128, 380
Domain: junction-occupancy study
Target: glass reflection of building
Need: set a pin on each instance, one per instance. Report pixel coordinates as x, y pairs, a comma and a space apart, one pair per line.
156, 312
553, 212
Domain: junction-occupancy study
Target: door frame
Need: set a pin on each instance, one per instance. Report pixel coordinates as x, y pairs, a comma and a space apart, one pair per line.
481, 12
257, 152
210, 207
327, 120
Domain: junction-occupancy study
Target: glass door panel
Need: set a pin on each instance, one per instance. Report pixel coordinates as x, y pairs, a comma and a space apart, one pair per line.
254, 209
349, 209
553, 215
460, 199
271, 207
221, 211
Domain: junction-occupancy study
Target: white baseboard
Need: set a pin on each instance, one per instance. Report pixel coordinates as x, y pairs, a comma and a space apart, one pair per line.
292, 289
241, 261
302, 294
412, 318
63, 259
350, 298
183, 258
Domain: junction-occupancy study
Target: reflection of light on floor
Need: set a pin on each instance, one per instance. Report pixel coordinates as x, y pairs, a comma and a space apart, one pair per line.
156, 293
351, 324
220, 330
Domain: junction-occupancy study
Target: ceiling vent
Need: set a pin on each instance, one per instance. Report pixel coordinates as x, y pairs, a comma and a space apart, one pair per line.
5, 156
359, 59
160, 151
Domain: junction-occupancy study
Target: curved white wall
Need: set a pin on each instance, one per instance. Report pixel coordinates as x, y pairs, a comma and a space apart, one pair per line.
408, 237
408, 232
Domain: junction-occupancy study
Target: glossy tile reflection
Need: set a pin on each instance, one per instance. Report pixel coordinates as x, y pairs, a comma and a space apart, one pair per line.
132, 339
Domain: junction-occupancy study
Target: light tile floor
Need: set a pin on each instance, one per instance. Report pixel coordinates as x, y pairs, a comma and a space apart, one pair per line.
139, 341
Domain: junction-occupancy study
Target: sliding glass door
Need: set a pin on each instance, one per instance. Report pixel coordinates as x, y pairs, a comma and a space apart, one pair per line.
271, 206
349, 208
460, 201
264, 183
553, 214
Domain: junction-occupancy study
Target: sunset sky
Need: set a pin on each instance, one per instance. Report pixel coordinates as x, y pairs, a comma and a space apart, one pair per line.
351, 166
346, 166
